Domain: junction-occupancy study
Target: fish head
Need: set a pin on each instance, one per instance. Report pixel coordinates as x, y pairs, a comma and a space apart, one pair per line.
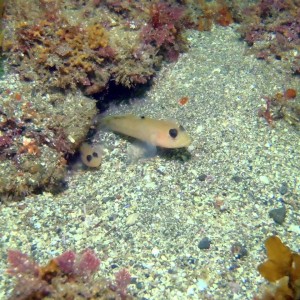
174, 136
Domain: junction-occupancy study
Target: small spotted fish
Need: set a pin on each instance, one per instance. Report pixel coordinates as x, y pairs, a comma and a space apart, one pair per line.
161, 133
91, 155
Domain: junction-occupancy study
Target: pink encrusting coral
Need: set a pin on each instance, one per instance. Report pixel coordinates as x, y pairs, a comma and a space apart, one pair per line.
20, 263
87, 50
163, 24
67, 276
164, 27
272, 29
283, 105
122, 279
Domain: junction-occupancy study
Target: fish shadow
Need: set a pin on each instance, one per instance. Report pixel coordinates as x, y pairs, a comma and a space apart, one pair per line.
142, 150
177, 154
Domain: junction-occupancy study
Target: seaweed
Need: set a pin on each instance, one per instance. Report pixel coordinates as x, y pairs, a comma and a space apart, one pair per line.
282, 269
283, 105
272, 30
68, 276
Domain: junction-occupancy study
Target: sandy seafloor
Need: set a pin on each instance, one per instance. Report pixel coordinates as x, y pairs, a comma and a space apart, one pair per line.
149, 215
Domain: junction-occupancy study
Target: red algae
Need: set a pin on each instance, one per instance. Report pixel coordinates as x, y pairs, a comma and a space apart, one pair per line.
65, 277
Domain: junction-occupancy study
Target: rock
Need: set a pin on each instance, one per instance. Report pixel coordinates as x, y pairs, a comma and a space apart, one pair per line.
237, 179
238, 250
204, 243
283, 188
264, 179
278, 214
202, 177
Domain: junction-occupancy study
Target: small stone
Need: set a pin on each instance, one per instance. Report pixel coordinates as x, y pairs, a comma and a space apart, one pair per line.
283, 189
204, 243
238, 250
155, 252
294, 228
199, 128
131, 219
278, 214
233, 267
190, 291
202, 284
139, 285
237, 179
191, 260
114, 266
71, 139
264, 179
133, 280
202, 177
161, 170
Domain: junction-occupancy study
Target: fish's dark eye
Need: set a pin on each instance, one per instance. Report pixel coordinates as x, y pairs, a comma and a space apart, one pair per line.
142, 117
95, 154
173, 133
89, 158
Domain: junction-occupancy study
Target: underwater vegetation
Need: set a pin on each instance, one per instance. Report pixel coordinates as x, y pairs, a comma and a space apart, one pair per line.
36, 138
272, 30
214, 13
73, 276
86, 45
1, 16
68, 45
1, 36
283, 106
68, 276
282, 269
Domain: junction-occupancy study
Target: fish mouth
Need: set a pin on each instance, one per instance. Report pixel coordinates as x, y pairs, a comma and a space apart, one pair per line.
185, 143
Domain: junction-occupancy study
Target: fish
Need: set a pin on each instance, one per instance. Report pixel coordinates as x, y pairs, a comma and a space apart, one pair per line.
161, 133
91, 155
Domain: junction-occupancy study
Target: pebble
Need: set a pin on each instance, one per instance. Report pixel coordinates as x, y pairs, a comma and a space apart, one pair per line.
204, 243
238, 250
264, 179
278, 214
131, 219
294, 228
202, 284
155, 252
283, 188
237, 179
202, 177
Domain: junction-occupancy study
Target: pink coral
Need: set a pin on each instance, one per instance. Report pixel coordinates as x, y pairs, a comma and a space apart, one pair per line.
163, 28
87, 264
66, 262
122, 279
21, 263
64, 277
